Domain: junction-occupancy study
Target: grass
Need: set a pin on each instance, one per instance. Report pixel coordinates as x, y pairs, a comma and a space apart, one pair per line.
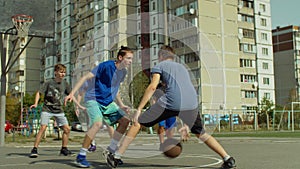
18, 138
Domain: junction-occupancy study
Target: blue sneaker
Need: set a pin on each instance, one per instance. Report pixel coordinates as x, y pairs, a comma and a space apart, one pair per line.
81, 161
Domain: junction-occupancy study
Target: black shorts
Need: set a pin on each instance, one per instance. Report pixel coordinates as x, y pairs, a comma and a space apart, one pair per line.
157, 113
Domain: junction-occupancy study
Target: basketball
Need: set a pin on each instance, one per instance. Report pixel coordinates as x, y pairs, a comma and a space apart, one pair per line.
172, 148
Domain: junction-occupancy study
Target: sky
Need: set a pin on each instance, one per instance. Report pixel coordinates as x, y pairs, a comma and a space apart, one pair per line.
285, 12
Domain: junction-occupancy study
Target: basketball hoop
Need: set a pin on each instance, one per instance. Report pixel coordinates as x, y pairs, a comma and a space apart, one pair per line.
22, 23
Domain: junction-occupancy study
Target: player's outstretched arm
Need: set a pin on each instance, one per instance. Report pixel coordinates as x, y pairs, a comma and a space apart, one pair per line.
70, 97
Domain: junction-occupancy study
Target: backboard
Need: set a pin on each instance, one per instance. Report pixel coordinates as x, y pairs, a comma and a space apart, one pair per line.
42, 11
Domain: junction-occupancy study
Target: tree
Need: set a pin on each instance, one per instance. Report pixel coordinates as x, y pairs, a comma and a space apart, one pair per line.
137, 87
266, 107
12, 109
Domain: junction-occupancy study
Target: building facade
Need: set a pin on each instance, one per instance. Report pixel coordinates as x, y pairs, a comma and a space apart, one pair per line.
226, 44
286, 48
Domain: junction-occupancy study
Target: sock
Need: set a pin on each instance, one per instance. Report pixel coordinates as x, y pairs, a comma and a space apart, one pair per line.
113, 144
117, 155
63, 147
226, 157
83, 151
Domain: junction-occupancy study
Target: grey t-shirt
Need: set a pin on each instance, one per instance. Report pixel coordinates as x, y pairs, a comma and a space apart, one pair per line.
54, 93
180, 93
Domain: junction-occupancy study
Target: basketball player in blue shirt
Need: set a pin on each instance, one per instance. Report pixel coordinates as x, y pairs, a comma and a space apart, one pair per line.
101, 106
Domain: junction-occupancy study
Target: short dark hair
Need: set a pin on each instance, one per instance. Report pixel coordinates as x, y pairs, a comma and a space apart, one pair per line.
124, 50
59, 67
166, 51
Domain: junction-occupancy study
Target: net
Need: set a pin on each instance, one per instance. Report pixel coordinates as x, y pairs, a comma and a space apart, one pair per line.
22, 24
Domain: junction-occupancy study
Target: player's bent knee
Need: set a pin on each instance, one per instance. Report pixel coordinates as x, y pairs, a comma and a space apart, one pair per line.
204, 137
97, 125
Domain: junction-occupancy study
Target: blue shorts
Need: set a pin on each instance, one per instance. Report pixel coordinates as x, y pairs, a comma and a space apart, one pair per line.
168, 123
110, 114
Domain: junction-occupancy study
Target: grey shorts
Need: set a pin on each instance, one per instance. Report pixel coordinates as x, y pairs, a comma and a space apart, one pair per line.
60, 118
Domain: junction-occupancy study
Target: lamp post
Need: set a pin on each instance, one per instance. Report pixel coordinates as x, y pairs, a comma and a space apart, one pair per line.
20, 88
255, 84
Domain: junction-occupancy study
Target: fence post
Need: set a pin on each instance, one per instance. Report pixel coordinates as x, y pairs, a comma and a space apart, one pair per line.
289, 120
231, 120
255, 120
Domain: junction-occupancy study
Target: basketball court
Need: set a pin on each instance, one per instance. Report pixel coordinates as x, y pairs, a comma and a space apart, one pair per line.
250, 153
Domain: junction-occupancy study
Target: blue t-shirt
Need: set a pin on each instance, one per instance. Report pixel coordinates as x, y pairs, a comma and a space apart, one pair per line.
180, 93
88, 88
107, 82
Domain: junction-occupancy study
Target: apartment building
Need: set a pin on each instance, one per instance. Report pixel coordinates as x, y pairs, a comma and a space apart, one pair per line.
286, 48
226, 44
24, 75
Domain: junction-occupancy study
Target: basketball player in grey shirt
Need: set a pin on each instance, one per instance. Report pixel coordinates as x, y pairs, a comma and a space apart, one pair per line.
180, 99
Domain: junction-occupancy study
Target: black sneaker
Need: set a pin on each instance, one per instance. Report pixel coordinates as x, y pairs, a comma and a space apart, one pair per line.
34, 153
230, 163
111, 161
66, 152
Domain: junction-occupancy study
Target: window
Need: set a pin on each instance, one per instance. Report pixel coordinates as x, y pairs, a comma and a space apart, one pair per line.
153, 6
265, 65
99, 16
247, 33
262, 7
154, 20
264, 36
154, 50
246, 3
154, 36
248, 94
265, 51
139, 11
266, 81
267, 95
246, 18
250, 48
248, 78
263, 22
247, 63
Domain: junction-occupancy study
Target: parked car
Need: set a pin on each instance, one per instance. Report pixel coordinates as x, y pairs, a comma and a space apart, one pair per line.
8, 126
76, 126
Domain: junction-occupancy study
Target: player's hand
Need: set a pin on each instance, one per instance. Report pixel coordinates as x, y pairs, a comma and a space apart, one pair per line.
68, 98
136, 116
79, 106
185, 135
33, 106
126, 109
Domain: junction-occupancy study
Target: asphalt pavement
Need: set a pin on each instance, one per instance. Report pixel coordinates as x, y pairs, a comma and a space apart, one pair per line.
250, 153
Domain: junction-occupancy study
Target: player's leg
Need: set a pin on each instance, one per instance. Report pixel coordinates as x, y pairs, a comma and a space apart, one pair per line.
95, 119
161, 131
44, 120
193, 120
62, 122
170, 127
113, 114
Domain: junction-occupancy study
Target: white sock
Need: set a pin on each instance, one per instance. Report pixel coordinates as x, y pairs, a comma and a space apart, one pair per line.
113, 144
93, 143
226, 157
117, 155
83, 151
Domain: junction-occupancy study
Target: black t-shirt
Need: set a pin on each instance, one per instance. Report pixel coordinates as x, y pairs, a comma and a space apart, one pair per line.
54, 93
